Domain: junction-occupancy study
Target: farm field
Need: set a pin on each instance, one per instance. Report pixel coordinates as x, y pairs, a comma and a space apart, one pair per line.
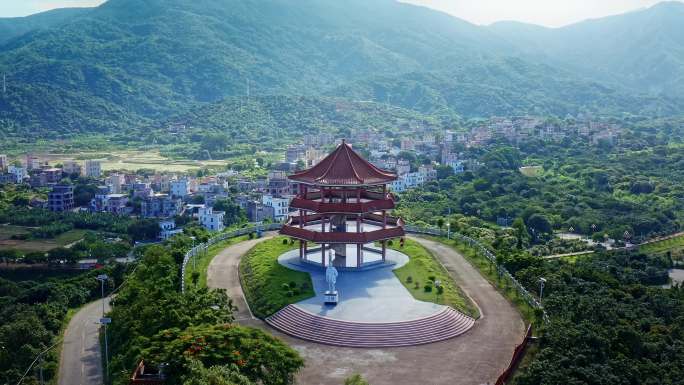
6, 241
133, 160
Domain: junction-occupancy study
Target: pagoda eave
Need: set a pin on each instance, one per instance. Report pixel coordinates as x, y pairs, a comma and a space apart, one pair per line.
342, 208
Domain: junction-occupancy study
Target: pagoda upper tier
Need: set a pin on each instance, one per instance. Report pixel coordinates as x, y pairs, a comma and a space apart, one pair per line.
344, 167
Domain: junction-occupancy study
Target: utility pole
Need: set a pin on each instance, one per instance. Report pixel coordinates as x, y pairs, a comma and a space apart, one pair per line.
4, 83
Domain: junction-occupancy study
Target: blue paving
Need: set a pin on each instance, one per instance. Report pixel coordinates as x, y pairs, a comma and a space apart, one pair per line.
364, 296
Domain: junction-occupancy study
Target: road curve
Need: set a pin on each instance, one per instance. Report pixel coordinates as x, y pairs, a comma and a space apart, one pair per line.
477, 357
80, 361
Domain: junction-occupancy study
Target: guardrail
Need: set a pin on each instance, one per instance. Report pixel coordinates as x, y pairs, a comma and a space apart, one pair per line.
522, 292
202, 247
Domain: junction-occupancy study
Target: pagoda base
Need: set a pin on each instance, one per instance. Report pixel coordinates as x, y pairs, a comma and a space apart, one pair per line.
371, 256
331, 297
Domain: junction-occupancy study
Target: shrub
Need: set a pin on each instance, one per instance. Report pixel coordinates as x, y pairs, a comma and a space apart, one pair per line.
409, 279
432, 278
417, 285
285, 241
286, 287
296, 291
390, 243
427, 288
290, 293
440, 290
293, 284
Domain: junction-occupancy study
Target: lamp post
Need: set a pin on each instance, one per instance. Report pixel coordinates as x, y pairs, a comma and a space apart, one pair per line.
104, 321
448, 230
194, 253
542, 281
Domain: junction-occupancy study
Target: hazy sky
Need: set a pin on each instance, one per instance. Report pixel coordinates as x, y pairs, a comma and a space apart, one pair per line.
550, 13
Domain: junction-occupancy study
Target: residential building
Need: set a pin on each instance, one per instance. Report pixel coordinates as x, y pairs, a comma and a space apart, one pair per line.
52, 175
180, 188
61, 198
3, 162
7, 178
168, 229
32, 162
19, 173
278, 184
210, 219
92, 169
142, 190
160, 206
281, 206
403, 167
259, 212
72, 167
114, 182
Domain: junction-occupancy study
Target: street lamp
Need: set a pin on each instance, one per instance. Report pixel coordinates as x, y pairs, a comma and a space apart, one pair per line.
448, 230
542, 281
104, 321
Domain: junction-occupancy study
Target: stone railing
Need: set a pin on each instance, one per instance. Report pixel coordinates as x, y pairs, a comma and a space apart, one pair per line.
202, 247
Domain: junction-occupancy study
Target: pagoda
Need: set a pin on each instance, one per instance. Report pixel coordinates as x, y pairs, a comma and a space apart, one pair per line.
342, 205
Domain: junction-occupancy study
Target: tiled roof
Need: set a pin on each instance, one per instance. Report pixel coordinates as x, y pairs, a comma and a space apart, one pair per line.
344, 167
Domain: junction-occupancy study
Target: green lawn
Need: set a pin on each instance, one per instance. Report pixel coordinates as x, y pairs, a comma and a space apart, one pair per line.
203, 260
424, 268
674, 245
264, 280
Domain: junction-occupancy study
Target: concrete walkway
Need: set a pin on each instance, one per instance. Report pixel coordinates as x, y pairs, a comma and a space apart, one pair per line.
477, 357
80, 361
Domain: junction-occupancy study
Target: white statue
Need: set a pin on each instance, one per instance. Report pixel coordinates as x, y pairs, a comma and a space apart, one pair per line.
331, 272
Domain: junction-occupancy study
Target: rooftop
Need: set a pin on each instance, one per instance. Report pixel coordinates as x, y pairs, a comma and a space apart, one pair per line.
344, 167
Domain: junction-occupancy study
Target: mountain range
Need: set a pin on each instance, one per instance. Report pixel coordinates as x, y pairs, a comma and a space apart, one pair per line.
130, 63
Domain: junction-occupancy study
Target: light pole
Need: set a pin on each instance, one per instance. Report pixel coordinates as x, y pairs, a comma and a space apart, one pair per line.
104, 321
448, 230
542, 281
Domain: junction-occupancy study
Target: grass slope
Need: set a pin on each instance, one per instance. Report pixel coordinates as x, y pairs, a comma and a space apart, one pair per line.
421, 267
263, 279
674, 245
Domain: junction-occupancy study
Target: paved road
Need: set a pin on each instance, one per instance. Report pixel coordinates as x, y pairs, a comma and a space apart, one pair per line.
223, 273
477, 357
80, 362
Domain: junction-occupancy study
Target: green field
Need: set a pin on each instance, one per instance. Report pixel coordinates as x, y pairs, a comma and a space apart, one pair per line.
423, 268
28, 245
264, 280
531, 171
203, 260
674, 245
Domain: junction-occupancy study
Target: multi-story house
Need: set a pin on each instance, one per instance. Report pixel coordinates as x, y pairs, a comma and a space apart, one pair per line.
281, 206
210, 219
3, 163
61, 198
180, 188
259, 212
160, 206
92, 169
168, 229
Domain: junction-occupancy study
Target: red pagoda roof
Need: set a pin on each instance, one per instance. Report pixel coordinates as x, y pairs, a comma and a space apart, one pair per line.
344, 167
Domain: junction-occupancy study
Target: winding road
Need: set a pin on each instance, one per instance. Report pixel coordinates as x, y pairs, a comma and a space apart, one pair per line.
477, 357
80, 360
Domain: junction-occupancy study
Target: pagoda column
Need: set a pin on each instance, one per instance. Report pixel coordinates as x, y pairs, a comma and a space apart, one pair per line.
384, 242
359, 257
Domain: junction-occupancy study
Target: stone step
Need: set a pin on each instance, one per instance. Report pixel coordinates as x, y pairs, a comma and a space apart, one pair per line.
297, 322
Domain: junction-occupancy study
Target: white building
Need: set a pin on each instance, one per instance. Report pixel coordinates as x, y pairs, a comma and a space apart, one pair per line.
210, 219
114, 182
281, 206
168, 229
92, 169
408, 181
180, 188
19, 173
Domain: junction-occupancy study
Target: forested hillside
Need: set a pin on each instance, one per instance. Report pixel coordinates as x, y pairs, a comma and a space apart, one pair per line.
129, 63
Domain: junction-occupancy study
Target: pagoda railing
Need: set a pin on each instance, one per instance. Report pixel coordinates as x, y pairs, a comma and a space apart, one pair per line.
335, 237
312, 219
343, 208
349, 194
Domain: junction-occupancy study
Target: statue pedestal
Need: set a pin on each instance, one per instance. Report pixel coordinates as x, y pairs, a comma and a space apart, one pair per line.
331, 297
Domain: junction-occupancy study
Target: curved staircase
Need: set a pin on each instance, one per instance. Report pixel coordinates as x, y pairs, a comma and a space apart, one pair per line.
440, 326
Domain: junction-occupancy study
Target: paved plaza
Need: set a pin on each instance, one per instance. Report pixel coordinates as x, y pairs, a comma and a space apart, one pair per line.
374, 295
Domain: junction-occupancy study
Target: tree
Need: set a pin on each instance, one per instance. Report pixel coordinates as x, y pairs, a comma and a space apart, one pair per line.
144, 229
540, 223
355, 380
444, 172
